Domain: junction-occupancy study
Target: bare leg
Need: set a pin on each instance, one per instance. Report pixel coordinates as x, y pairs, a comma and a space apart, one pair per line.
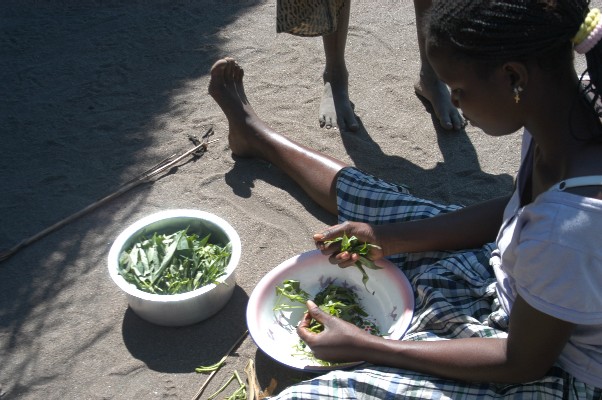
249, 136
428, 85
335, 107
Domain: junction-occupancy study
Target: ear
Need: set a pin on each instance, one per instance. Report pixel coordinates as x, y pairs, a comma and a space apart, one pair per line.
516, 74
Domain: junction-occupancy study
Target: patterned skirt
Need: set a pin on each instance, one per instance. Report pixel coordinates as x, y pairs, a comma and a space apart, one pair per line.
308, 17
455, 297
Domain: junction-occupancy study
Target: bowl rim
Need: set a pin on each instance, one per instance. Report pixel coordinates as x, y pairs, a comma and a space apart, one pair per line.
266, 284
119, 243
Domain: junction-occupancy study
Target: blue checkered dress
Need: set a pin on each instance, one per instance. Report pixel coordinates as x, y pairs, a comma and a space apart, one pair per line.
455, 298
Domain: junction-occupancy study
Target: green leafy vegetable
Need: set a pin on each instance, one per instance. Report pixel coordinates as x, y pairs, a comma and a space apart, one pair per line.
290, 289
213, 367
353, 245
342, 302
239, 394
174, 263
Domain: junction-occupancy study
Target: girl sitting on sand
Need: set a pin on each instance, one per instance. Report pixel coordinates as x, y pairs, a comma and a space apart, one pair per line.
514, 282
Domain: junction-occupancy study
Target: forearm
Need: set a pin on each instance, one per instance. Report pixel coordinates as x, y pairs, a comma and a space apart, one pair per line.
534, 342
466, 228
470, 359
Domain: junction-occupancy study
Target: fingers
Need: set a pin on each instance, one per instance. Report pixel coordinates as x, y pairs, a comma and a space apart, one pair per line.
316, 312
303, 327
326, 234
333, 250
344, 259
305, 322
332, 232
313, 312
304, 333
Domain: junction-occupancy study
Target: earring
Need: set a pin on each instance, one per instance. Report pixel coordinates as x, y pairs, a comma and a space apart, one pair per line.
517, 91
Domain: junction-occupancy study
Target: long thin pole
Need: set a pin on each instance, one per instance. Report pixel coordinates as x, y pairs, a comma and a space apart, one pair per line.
145, 177
199, 393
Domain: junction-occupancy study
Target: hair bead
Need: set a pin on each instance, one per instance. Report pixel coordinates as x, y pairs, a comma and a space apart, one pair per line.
590, 22
592, 39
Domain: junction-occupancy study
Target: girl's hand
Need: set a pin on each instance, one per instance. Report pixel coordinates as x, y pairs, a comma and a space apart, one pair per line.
339, 342
362, 231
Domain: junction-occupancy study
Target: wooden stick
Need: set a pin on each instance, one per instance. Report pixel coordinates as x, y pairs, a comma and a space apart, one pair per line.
199, 393
252, 379
145, 177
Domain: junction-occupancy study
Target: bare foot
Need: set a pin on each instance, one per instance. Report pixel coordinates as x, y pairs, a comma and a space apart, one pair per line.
336, 109
245, 127
437, 94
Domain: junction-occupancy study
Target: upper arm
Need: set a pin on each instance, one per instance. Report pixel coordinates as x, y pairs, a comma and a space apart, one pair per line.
535, 340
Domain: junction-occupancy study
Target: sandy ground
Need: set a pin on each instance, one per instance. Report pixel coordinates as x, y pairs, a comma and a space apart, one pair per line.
95, 92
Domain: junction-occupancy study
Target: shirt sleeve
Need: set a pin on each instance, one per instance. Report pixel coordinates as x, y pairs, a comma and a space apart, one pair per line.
559, 262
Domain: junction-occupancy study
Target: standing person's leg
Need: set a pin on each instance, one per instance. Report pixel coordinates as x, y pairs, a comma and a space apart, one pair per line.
249, 136
336, 108
428, 85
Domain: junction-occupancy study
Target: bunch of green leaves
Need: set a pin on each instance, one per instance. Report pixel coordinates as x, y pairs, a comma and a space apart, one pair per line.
339, 301
291, 290
353, 245
173, 263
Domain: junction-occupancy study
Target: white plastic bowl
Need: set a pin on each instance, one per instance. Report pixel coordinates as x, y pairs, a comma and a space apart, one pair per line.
389, 300
183, 308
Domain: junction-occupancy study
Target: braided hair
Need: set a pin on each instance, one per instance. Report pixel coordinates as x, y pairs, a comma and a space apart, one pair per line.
492, 32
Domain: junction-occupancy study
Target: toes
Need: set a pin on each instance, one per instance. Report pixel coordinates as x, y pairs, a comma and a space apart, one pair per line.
233, 71
326, 122
218, 69
217, 79
455, 121
458, 122
238, 72
226, 77
229, 73
329, 123
446, 124
219, 64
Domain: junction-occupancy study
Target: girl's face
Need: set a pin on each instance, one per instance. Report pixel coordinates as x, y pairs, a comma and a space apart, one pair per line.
486, 102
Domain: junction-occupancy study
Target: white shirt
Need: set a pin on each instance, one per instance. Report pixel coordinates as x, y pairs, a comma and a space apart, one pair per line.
550, 253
